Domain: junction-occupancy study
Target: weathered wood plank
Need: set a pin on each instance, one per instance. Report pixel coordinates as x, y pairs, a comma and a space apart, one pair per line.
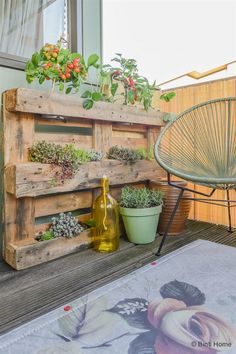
50, 205
34, 179
23, 256
152, 134
39, 102
18, 137
64, 122
102, 135
128, 134
132, 143
80, 141
129, 127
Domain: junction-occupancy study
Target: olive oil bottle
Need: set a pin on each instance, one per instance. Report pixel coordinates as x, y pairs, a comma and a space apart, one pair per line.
106, 218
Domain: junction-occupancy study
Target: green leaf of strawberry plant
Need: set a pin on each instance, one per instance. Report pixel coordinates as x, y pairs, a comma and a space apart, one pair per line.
86, 94
114, 88
167, 96
68, 90
88, 104
96, 96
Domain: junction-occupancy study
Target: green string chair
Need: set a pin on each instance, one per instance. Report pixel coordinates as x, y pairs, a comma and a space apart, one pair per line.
199, 146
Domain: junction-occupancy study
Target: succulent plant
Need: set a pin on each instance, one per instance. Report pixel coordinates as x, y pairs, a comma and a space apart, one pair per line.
66, 225
132, 197
44, 152
95, 155
67, 157
124, 154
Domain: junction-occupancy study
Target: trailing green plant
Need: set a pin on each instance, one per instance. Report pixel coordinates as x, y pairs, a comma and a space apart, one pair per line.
124, 154
65, 69
67, 157
45, 236
66, 225
140, 198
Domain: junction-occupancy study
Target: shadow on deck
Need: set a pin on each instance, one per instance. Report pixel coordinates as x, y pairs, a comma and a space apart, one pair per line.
29, 293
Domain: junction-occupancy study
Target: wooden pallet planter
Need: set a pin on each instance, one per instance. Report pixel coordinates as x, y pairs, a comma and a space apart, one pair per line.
31, 195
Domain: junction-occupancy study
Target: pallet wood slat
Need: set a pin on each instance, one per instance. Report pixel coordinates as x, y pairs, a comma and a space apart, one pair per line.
35, 179
50, 205
18, 136
31, 254
40, 102
80, 141
32, 194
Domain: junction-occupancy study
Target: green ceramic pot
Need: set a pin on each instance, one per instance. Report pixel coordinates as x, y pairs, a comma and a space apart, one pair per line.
141, 224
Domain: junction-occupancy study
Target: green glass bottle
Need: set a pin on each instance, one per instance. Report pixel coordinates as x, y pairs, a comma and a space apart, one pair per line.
106, 218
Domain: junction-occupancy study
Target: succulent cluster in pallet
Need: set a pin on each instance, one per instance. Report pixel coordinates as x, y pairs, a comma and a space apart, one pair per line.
67, 157
126, 154
64, 225
95, 155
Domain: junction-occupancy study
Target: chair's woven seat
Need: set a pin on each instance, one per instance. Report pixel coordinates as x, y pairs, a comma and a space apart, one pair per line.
200, 144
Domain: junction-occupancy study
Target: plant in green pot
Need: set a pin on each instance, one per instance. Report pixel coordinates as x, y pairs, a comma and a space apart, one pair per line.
140, 209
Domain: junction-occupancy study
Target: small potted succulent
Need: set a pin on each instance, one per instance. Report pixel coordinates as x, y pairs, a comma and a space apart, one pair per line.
140, 209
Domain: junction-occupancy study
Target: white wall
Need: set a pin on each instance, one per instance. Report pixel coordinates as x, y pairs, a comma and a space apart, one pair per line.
170, 38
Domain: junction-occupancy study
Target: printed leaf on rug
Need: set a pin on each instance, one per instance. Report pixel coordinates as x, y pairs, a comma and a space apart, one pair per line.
134, 311
185, 292
143, 344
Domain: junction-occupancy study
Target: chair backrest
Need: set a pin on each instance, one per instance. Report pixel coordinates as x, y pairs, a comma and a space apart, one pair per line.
200, 144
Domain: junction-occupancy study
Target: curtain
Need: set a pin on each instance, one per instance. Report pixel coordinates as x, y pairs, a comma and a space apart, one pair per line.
21, 26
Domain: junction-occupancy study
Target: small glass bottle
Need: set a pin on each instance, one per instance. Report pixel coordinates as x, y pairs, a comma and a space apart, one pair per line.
106, 218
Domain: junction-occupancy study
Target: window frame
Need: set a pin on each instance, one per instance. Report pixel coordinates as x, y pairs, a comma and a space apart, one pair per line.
75, 25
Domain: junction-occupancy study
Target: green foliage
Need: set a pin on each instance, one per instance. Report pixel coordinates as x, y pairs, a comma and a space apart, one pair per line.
65, 225
136, 87
45, 236
69, 70
167, 96
92, 60
67, 157
146, 154
90, 223
124, 154
132, 197
55, 63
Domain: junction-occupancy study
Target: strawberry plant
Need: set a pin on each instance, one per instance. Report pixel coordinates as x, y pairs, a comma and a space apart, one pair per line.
65, 69
136, 88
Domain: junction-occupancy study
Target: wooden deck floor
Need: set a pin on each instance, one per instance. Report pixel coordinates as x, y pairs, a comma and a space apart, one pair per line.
27, 294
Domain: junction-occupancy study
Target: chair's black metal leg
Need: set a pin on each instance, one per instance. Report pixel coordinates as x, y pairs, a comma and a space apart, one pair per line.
170, 222
229, 212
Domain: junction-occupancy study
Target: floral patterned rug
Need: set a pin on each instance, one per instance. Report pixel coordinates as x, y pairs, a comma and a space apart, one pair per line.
184, 303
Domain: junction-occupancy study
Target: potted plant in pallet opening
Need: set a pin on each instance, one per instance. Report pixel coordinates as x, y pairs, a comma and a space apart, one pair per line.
140, 209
